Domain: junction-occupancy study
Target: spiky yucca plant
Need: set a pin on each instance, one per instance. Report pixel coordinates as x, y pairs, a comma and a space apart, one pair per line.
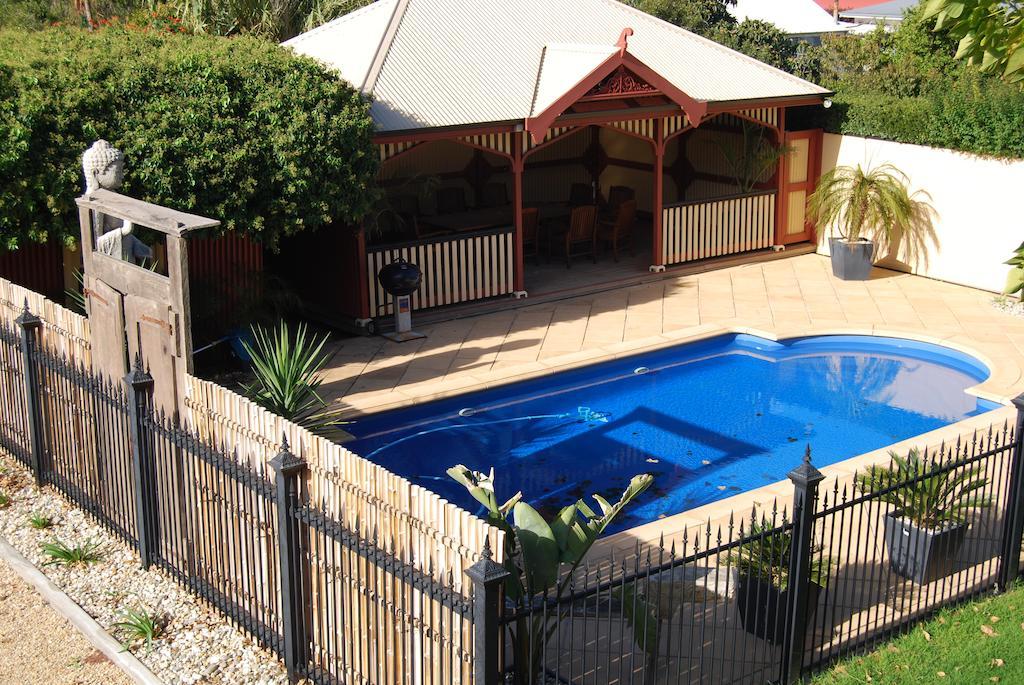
873, 204
765, 556
288, 375
924, 493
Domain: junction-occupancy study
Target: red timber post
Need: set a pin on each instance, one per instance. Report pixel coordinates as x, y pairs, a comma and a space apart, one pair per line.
781, 201
657, 262
519, 274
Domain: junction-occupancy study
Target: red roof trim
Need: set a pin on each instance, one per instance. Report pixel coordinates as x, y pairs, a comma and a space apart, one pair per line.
538, 124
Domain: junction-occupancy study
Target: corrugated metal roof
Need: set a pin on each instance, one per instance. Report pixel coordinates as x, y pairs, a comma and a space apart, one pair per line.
479, 61
562, 66
889, 11
794, 17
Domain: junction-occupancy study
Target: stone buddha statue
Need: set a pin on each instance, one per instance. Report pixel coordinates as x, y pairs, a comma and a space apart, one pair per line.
103, 165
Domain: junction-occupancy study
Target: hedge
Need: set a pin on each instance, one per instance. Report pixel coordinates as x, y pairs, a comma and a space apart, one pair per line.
977, 115
237, 129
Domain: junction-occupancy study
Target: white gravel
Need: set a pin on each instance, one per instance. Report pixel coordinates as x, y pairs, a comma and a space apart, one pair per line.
198, 644
1010, 305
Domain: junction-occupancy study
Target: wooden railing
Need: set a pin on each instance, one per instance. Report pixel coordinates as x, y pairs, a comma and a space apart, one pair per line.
713, 228
457, 268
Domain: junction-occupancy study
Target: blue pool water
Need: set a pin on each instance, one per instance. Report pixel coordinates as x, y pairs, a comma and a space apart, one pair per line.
708, 419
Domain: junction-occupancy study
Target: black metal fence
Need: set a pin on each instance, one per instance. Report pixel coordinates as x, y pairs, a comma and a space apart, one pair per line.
774, 595
766, 596
328, 596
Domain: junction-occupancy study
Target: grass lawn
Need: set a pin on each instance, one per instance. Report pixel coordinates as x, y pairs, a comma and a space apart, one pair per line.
978, 643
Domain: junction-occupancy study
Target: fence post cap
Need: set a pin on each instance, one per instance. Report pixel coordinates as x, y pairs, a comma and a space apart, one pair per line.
27, 319
138, 378
285, 463
487, 571
806, 473
1018, 402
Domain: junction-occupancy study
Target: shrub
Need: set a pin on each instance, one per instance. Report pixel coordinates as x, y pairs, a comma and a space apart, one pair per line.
40, 522
61, 554
140, 625
238, 129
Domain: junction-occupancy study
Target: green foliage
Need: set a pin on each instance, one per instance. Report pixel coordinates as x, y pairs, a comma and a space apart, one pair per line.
140, 625
700, 16
873, 204
241, 130
753, 157
40, 522
760, 40
766, 555
550, 550
5, 500
61, 554
991, 33
908, 86
1015, 279
288, 375
277, 20
924, 493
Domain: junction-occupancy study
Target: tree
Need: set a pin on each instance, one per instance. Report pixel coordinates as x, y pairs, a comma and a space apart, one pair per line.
276, 20
700, 16
240, 130
991, 33
761, 40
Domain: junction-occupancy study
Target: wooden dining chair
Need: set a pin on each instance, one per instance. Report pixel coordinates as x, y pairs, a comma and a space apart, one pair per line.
531, 232
579, 238
618, 233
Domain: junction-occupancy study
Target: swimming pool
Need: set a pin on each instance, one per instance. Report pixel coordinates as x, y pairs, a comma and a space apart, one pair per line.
707, 419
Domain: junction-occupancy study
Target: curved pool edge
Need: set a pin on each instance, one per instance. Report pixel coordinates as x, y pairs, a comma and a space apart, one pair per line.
996, 388
718, 513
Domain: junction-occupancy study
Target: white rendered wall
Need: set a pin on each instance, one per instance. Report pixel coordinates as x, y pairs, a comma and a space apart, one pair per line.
979, 204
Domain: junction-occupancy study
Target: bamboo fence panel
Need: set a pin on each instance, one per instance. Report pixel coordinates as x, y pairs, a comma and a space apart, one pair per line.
396, 639
63, 331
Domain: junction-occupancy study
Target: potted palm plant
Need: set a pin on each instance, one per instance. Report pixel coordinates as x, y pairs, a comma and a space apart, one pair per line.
931, 508
762, 592
871, 210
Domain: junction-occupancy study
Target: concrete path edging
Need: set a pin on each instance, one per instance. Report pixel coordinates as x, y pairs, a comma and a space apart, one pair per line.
77, 617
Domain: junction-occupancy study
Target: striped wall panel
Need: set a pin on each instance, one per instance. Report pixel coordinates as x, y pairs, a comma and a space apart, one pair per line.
638, 127
699, 230
389, 150
675, 124
767, 115
455, 269
36, 266
553, 132
498, 142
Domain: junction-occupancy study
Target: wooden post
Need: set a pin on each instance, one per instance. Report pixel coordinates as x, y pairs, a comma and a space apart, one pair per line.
781, 200
30, 324
488, 578
805, 491
519, 270
656, 208
290, 470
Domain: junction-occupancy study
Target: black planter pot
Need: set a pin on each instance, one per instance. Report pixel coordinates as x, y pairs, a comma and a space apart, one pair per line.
851, 261
763, 607
920, 554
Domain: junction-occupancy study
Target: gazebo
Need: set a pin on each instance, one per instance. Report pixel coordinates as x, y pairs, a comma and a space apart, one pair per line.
517, 137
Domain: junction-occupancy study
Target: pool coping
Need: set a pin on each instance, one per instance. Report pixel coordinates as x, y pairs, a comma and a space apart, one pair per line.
995, 388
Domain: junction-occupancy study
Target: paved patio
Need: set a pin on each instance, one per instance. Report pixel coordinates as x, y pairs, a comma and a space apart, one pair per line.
782, 298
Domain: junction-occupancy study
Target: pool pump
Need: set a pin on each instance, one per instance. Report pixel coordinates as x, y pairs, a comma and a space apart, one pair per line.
401, 279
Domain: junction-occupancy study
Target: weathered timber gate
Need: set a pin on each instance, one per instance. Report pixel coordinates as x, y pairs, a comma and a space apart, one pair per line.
139, 309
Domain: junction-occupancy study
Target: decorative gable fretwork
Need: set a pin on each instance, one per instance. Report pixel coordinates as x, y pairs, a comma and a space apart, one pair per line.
619, 84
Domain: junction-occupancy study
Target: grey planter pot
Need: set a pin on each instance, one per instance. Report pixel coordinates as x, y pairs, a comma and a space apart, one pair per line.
762, 607
851, 261
920, 554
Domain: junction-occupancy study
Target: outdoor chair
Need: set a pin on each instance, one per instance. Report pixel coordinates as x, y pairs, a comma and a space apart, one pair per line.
617, 195
579, 238
451, 200
531, 232
618, 233
581, 194
493, 195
